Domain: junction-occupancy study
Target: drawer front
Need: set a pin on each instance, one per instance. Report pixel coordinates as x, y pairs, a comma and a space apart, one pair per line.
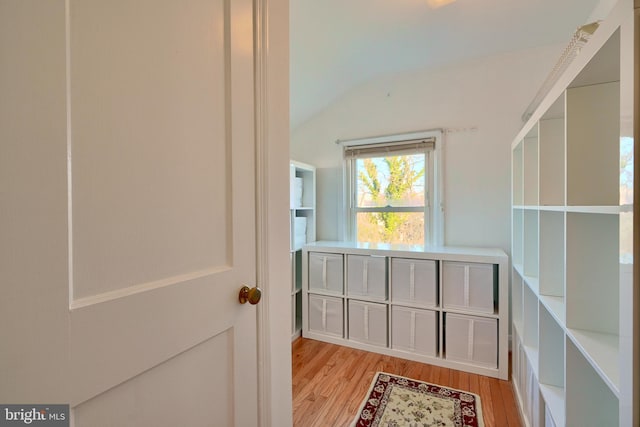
414, 330
414, 281
472, 339
469, 286
326, 315
368, 323
367, 276
326, 272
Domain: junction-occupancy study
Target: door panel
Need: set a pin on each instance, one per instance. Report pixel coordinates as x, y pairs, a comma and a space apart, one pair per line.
149, 141
171, 394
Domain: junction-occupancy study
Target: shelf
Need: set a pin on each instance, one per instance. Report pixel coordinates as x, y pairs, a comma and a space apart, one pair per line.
555, 306
530, 167
517, 300
518, 224
589, 401
593, 133
486, 354
592, 272
551, 338
551, 208
302, 223
607, 210
517, 180
530, 319
552, 254
530, 243
532, 357
602, 353
572, 242
554, 398
552, 145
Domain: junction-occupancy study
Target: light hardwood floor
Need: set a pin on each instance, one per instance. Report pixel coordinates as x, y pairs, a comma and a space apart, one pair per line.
330, 382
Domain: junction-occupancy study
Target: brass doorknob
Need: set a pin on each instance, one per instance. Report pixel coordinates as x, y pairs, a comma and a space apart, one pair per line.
252, 295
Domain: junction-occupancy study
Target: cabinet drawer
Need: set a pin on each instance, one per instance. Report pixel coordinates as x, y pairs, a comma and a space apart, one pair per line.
368, 322
414, 281
414, 330
471, 339
326, 315
367, 276
469, 286
326, 272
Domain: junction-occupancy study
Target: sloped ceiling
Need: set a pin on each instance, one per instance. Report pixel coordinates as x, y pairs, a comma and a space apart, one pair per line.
339, 44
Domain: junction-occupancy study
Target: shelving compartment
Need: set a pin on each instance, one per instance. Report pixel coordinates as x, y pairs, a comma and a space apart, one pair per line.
326, 272
367, 276
368, 322
530, 167
326, 315
589, 401
481, 344
551, 363
552, 159
593, 290
302, 186
517, 309
530, 332
517, 178
469, 286
552, 266
518, 238
414, 330
296, 259
414, 281
593, 130
303, 229
530, 245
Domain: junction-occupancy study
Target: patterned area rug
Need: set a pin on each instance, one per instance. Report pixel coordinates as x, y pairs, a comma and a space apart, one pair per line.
394, 401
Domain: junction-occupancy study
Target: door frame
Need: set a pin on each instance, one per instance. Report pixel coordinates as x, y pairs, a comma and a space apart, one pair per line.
271, 58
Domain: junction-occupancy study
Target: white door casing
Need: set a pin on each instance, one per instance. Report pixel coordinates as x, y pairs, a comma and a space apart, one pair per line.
128, 214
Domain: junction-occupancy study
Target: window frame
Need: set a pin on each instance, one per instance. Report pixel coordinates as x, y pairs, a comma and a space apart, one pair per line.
434, 206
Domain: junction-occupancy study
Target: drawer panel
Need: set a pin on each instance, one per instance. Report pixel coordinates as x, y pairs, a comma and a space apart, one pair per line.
471, 339
469, 286
326, 315
414, 281
414, 330
368, 322
367, 276
326, 272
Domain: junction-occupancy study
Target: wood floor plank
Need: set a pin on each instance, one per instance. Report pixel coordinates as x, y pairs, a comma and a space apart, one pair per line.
330, 382
511, 411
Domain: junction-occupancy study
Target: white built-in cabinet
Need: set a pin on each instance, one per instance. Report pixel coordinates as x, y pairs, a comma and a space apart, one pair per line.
573, 301
444, 306
302, 220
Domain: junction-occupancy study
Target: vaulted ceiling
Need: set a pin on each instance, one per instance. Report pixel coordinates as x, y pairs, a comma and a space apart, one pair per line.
339, 44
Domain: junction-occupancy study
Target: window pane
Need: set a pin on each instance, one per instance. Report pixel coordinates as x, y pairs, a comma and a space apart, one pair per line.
390, 181
390, 227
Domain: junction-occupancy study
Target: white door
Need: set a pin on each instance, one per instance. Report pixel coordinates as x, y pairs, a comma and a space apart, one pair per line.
127, 181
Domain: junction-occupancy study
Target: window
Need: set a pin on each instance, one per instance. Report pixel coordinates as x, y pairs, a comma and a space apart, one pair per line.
392, 188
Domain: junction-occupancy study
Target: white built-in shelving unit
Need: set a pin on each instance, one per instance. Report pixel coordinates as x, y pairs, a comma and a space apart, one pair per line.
302, 220
573, 302
444, 306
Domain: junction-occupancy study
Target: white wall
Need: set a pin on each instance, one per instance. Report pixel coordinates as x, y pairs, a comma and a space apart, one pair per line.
488, 94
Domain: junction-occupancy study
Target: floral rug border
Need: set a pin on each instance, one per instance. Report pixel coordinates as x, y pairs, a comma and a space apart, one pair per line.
467, 411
